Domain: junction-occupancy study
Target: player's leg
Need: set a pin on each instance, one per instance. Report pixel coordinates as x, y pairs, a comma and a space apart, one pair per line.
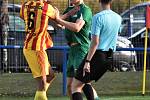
40, 69
78, 60
50, 75
87, 88
77, 89
90, 92
41, 92
70, 72
50, 78
44, 71
69, 85
70, 76
99, 67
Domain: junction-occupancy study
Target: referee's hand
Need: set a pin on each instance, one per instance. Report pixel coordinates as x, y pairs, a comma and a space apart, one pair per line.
86, 68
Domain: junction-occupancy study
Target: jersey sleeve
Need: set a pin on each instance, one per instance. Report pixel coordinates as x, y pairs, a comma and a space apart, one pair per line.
51, 12
21, 11
86, 14
96, 26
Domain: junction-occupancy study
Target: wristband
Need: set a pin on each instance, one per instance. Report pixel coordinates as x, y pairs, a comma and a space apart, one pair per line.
87, 61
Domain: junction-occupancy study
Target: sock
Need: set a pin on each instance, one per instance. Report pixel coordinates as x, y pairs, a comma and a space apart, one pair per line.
40, 95
96, 97
77, 96
47, 86
88, 91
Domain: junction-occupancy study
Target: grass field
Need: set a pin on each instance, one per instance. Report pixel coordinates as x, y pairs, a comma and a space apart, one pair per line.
65, 98
112, 86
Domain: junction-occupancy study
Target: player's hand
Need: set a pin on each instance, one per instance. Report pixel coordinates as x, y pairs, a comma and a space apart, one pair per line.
86, 68
57, 13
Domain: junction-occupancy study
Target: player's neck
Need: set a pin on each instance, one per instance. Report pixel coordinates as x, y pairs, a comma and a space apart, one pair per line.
80, 2
106, 7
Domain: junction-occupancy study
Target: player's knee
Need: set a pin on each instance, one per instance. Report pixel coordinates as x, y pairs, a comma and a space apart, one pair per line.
50, 77
41, 85
77, 86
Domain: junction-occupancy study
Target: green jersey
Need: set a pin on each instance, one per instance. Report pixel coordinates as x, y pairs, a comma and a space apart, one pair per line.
81, 37
78, 52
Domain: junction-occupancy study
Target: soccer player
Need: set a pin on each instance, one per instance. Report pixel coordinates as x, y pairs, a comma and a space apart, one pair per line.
105, 27
36, 15
77, 22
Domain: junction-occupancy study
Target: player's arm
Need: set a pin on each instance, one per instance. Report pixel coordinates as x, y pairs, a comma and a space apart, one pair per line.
52, 16
64, 16
93, 47
55, 24
76, 27
67, 14
71, 26
80, 22
95, 32
92, 50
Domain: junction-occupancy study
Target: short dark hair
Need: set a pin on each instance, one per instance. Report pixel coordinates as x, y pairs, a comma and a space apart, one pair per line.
105, 1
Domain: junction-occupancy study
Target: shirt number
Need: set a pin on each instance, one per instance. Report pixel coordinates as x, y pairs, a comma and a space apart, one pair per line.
31, 20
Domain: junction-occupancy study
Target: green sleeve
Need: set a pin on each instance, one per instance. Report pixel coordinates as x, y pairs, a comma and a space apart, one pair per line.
87, 14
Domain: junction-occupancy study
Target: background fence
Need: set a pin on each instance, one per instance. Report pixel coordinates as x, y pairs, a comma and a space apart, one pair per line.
132, 35
131, 58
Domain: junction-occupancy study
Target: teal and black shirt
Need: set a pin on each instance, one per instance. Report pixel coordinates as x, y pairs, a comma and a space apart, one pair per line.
81, 37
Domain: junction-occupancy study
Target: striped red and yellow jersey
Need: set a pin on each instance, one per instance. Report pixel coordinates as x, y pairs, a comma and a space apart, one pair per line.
36, 16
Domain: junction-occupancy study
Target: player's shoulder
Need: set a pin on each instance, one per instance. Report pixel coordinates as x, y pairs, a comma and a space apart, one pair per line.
85, 7
51, 7
99, 14
28, 4
117, 15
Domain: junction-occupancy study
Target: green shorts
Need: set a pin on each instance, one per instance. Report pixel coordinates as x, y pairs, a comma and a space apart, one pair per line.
76, 54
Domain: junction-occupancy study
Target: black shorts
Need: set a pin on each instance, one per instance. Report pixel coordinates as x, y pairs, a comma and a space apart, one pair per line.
100, 63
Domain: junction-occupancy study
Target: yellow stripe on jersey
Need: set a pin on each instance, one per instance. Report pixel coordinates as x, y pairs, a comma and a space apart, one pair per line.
38, 23
36, 15
51, 12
